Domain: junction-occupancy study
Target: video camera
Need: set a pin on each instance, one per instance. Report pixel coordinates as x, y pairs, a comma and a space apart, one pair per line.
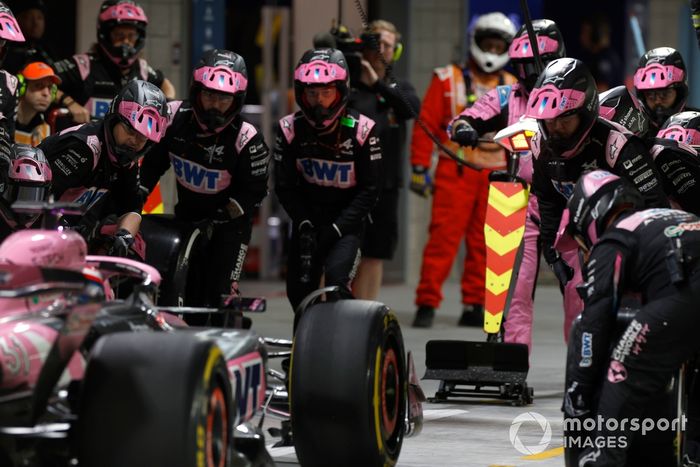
352, 47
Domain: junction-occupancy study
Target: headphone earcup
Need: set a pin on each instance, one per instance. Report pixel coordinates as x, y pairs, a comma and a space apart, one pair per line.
398, 50
22, 89
54, 92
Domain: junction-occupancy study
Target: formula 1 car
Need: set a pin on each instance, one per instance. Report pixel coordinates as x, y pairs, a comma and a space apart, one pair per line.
89, 381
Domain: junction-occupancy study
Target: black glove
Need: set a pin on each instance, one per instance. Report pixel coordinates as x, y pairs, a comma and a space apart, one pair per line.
578, 399
421, 183
121, 242
465, 135
562, 270
327, 236
227, 213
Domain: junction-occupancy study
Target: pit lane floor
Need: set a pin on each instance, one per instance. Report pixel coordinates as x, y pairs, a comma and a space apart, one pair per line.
458, 434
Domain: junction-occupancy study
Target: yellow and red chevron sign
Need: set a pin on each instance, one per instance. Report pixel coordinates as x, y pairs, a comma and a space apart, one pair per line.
503, 231
154, 203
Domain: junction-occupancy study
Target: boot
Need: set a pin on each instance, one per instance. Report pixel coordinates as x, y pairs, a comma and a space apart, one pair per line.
472, 315
424, 317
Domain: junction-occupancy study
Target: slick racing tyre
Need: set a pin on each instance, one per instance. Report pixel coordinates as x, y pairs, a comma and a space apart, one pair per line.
175, 250
348, 385
155, 399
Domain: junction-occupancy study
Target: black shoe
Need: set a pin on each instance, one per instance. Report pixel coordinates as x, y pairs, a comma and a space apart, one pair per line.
424, 317
472, 315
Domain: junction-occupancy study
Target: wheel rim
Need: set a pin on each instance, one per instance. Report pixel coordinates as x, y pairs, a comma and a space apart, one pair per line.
217, 429
390, 391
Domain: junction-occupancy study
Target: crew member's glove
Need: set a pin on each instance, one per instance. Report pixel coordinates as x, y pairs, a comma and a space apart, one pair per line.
234, 293
562, 270
464, 135
421, 183
121, 242
327, 236
578, 399
227, 213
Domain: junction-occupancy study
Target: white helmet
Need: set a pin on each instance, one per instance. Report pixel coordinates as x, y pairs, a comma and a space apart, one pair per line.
494, 24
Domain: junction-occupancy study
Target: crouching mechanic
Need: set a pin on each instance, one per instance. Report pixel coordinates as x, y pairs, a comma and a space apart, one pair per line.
95, 164
327, 166
651, 252
572, 140
220, 162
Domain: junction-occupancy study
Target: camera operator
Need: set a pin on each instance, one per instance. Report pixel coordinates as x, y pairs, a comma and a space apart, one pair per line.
386, 101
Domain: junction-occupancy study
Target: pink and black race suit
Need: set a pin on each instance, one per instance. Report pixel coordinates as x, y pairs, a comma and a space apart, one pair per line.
333, 181
8, 106
608, 146
83, 173
653, 254
216, 173
211, 170
679, 167
93, 80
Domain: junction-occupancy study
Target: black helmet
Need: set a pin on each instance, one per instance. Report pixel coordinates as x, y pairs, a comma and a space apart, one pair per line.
658, 69
224, 72
321, 67
116, 13
29, 179
683, 127
143, 107
619, 106
565, 87
596, 196
550, 46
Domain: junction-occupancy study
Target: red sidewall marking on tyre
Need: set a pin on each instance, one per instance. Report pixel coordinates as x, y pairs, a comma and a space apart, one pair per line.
217, 403
388, 420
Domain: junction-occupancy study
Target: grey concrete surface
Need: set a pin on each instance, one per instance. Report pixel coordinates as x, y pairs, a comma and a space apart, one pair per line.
458, 434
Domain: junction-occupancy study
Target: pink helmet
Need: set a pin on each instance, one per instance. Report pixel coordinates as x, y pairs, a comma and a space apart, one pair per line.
550, 45
322, 67
143, 107
683, 127
29, 179
565, 87
661, 68
222, 72
597, 195
117, 13
9, 29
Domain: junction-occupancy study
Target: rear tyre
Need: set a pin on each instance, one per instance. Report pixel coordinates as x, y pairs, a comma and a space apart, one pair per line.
155, 399
348, 385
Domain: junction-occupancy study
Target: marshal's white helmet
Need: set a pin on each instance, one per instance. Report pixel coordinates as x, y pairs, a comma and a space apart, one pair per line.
494, 24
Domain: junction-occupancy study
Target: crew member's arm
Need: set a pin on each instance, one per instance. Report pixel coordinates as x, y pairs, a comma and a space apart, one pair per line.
368, 168
604, 283
636, 165
488, 114
249, 184
73, 91
287, 179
